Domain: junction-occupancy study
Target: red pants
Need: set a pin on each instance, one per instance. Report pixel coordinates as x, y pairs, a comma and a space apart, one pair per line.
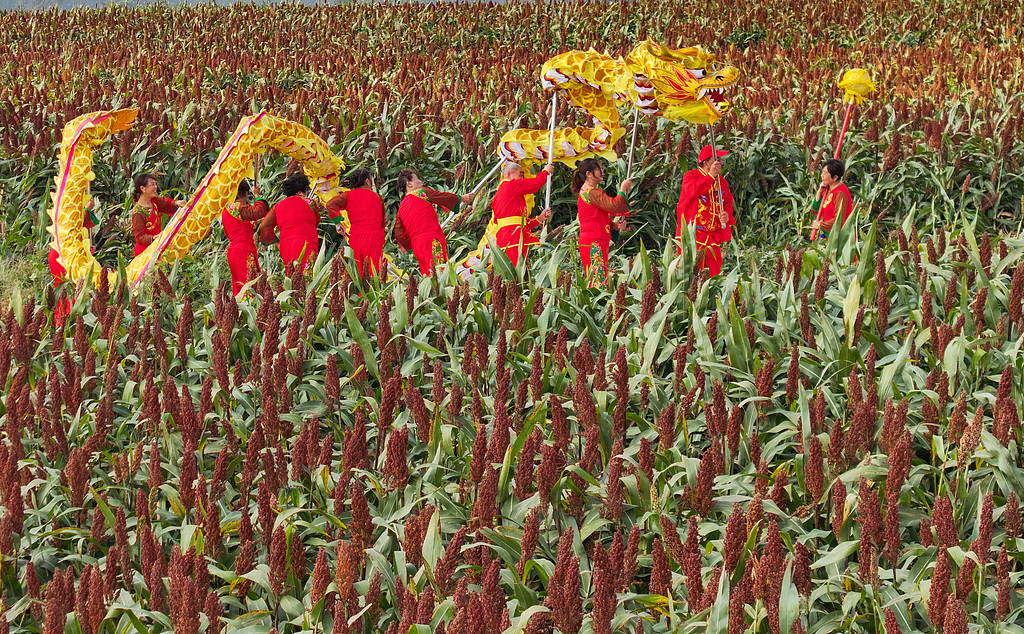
599, 275
57, 271
368, 250
513, 253
238, 261
429, 251
709, 257
291, 250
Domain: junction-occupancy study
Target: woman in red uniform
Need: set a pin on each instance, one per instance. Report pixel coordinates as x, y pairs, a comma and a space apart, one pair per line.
297, 220
699, 206
510, 213
148, 209
596, 210
366, 220
417, 227
832, 200
238, 218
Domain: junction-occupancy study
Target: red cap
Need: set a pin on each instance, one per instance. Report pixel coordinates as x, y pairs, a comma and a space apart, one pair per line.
705, 153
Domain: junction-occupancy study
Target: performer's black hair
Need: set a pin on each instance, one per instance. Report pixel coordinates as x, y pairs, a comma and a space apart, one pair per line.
243, 189
140, 181
403, 180
295, 184
358, 178
579, 177
835, 167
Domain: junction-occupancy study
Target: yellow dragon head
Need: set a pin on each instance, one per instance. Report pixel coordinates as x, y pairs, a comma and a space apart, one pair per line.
679, 83
857, 85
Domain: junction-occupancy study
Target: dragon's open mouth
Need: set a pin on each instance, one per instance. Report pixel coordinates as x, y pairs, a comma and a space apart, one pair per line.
713, 91
715, 98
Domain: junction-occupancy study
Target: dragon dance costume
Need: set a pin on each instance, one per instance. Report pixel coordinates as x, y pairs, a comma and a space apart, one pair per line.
238, 219
146, 227
417, 227
699, 206
510, 214
835, 203
298, 221
366, 234
59, 274
596, 210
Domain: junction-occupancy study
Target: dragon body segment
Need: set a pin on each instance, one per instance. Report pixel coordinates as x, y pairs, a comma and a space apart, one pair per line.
191, 222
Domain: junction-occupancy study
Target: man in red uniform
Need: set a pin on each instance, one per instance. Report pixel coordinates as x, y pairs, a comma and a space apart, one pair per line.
699, 205
148, 209
509, 206
297, 220
417, 226
238, 218
833, 199
366, 221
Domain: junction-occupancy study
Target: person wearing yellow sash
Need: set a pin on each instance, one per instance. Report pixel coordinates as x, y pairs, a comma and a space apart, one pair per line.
515, 228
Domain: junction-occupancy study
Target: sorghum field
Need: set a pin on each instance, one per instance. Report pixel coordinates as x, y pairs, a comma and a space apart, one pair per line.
826, 438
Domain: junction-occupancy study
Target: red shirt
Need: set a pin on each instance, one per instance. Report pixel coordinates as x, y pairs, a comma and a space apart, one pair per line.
835, 201
698, 205
146, 227
238, 221
510, 202
296, 219
417, 216
595, 210
365, 211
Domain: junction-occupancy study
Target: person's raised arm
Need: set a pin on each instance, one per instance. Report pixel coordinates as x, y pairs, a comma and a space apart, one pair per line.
268, 227
256, 211
168, 206
445, 200
336, 205
524, 186
614, 206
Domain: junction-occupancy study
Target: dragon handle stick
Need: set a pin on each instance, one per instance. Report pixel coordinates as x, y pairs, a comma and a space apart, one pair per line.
551, 147
842, 133
632, 144
487, 177
476, 188
718, 179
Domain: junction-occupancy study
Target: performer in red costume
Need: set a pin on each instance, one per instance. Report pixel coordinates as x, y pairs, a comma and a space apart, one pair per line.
833, 199
509, 206
366, 220
58, 272
148, 209
596, 209
699, 206
238, 218
297, 220
417, 226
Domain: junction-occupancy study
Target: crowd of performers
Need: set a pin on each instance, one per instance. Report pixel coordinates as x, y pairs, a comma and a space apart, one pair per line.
705, 202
